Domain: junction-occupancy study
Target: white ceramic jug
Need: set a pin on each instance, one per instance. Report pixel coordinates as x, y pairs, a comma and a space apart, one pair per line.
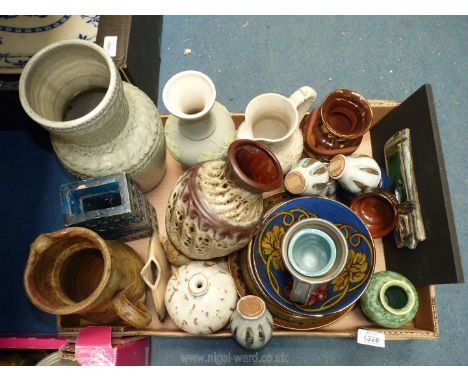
273, 119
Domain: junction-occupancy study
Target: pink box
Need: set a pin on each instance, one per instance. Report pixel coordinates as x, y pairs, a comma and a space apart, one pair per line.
32, 342
95, 347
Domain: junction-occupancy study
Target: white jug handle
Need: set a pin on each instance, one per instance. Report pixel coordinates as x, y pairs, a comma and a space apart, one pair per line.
303, 98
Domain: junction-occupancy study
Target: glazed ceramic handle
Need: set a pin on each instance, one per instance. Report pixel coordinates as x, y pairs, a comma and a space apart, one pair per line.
156, 273
136, 314
42, 243
302, 99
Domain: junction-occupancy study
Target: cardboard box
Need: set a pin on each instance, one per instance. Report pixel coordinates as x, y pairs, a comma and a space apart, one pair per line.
136, 42
425, 324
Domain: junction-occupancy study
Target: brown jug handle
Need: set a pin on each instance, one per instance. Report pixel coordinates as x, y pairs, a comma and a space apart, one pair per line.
41, 244
136, 314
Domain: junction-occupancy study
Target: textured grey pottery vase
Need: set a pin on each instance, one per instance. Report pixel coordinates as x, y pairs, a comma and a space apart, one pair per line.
99, 125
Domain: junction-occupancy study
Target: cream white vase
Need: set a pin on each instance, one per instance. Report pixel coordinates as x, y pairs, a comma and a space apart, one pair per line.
273, 119
200, 297
199, 128
356, 173
99, 125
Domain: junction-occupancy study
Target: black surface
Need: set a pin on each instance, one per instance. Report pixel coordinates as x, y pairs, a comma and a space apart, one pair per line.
30, 204
143, 58
437, 259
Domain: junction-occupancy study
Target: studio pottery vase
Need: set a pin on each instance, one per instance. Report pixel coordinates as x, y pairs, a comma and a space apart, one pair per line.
99, 125
356, 173
199, 128
310, 177
75, 271
216, 206
391, 300
251, 324
200, 297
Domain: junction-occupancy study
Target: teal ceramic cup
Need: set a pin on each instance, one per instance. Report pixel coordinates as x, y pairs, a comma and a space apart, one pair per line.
311, 252
314, 252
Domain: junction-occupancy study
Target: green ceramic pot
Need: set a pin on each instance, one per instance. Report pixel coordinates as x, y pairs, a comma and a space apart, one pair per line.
390, 300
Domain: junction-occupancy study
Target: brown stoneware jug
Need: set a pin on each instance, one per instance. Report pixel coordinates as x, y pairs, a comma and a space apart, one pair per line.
75, 271
216, 206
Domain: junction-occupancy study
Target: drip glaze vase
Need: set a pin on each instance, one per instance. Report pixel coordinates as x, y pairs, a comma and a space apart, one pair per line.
200, 297
390, 300
99, 125
251, 324
356, 173
75, 271
199, 128
338, 125
216, 207
310, 177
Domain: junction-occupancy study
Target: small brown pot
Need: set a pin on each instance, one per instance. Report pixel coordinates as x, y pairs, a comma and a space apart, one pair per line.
338, 125
378, 209
75, 271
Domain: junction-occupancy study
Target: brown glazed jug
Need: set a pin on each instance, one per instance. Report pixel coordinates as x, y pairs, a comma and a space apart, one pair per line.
75, 271
216, 206
337, 126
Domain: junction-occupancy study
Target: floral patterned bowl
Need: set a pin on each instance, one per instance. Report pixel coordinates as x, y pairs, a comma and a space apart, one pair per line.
268, 270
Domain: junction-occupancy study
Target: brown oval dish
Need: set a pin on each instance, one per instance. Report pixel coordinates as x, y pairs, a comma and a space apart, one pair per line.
377, 209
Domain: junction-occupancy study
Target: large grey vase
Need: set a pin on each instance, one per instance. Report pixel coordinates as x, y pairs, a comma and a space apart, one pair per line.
99, 125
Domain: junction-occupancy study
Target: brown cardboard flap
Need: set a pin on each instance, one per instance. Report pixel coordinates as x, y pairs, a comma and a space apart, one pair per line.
119, 26
437, 259
138, 49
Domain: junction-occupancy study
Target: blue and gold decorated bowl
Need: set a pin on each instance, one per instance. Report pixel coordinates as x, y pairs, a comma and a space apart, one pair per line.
269, 272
